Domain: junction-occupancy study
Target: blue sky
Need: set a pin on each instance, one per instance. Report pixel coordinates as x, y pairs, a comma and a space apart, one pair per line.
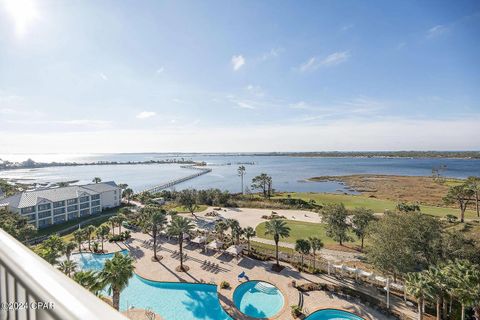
134, 76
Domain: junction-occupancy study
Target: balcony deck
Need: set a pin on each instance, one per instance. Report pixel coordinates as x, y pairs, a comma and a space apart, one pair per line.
35, 290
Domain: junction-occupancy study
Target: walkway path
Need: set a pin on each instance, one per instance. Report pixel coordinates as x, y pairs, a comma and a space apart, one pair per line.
332, 255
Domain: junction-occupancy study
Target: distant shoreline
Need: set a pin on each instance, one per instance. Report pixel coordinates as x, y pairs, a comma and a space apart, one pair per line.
381, 154
306, 154
37, 165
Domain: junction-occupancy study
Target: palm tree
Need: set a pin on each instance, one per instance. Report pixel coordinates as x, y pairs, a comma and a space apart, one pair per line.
464, 279
249, 232
220, 228
179, 227
102, 232
51, 249
418, 286
120, 218
154, 221
89, 230
89, 280
123, 186
235, 229
67, 267
128, 193
277, 228
79, 236
97, 180
241, 173
68, 249
303, 247
115, 274
438, 285
315, 244
113, 221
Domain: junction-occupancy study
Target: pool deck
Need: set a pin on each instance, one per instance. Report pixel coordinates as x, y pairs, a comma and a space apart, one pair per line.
230, 267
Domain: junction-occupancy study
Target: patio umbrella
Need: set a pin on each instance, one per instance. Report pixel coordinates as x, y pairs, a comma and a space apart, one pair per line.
199, 239
234, 250
215, 245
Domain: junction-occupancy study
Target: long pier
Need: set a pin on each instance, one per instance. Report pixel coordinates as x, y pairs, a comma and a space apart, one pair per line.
171, 183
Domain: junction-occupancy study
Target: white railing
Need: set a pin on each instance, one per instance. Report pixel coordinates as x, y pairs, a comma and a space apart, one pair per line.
31, 289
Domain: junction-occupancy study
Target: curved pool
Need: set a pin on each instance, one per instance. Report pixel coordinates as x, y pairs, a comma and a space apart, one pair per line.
258, 299
93, 261
171, 300
332, 314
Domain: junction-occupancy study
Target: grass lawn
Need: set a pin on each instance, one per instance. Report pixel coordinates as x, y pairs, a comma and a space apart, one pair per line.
302, 230
181, 209
470, 229
377, 205
259, 245
96, 222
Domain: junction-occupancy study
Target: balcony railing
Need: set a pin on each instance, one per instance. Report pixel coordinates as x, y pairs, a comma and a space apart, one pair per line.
30, 289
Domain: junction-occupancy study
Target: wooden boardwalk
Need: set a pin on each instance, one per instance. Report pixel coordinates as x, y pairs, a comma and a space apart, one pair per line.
171, 183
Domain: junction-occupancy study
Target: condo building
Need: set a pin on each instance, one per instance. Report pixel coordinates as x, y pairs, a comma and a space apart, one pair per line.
45, 207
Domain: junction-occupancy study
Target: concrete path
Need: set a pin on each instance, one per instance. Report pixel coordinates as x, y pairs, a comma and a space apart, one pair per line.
332, 255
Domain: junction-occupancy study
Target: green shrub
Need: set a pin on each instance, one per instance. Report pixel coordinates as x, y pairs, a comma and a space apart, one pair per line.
120, 237
296, 311
451, 218
224, 285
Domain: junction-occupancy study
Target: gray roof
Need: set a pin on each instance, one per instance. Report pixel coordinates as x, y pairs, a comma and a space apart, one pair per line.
102, 187
32, 198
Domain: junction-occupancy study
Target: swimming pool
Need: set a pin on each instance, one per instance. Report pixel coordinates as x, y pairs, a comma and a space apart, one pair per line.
258, 299
171, 300
333, 314
93, 261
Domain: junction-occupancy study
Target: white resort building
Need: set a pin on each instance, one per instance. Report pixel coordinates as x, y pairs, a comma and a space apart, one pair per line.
45, 207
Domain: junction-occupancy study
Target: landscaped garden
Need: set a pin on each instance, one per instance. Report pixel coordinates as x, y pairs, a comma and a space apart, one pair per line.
302, 230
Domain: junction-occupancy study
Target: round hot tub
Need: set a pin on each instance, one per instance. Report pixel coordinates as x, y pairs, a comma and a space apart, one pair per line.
258, 299
333, 314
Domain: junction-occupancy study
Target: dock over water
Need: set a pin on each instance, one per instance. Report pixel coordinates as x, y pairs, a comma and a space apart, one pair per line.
171, 183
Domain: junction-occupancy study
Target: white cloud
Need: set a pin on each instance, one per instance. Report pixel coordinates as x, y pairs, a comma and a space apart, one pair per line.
237, 62
310, 64
245, 105
272, 53
301, 105
103, 76
85, 123
437, 31
347, 27
255, 90
179, 101
160, 70
349, 135
356, 107
145, 114
333, 59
